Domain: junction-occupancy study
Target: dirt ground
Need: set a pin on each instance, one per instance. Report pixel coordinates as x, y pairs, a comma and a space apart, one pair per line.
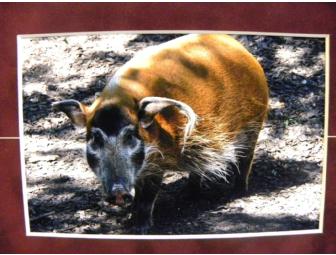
64, 195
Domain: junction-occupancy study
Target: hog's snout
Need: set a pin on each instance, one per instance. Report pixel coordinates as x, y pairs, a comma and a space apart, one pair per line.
120, 198
119, 195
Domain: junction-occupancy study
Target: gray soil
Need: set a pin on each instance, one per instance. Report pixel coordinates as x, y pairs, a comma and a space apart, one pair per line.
64, 196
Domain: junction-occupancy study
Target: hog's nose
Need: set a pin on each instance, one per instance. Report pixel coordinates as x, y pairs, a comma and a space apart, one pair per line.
120, 195
122, 199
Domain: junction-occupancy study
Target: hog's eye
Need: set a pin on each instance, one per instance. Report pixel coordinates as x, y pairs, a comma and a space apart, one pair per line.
130, 140
128, 137
98, 138
93, 145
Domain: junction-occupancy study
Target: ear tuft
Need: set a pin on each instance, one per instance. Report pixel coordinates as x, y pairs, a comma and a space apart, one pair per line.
73, 109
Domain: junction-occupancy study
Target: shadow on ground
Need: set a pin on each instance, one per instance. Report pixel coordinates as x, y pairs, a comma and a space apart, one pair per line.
173, 208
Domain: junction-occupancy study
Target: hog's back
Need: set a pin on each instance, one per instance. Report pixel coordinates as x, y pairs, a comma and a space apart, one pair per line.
212, 73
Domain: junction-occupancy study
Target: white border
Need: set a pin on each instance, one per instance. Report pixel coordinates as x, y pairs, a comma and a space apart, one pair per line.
21, 138
174, 32
176, 237
326, 130
173, 237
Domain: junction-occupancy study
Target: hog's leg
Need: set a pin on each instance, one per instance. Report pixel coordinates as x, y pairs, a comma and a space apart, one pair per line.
245, 162
193, 188
145, 195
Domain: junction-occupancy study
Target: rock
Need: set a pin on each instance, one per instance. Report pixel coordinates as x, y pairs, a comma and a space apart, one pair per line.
51, 87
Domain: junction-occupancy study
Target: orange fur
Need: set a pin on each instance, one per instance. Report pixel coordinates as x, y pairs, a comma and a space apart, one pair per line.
212, 73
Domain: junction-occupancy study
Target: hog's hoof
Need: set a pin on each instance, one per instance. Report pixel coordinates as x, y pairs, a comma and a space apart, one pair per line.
137, 228
141, 230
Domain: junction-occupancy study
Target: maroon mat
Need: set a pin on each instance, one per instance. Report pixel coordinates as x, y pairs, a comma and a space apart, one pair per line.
31, 18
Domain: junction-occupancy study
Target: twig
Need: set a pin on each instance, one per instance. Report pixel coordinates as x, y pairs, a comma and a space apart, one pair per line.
42, 215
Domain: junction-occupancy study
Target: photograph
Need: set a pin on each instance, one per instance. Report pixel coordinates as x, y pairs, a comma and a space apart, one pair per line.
181, 134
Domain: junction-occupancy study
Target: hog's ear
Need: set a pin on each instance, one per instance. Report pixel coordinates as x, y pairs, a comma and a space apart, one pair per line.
150, 106
73, 109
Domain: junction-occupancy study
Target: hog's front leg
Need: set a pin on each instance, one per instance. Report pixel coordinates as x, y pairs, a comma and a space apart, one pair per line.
146, 193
